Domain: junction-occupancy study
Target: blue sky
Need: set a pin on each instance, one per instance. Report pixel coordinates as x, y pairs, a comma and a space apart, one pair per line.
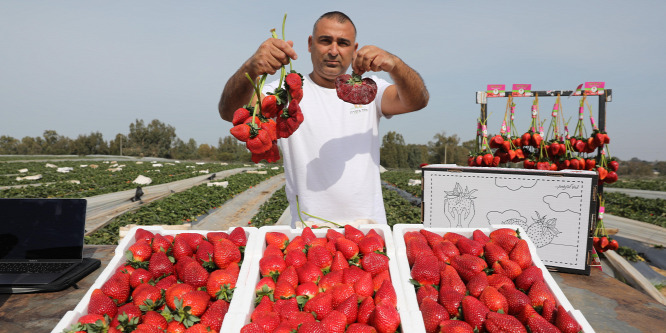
85, 66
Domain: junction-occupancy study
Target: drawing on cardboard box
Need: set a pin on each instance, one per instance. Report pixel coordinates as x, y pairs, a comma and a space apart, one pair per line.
459, 206
554, 210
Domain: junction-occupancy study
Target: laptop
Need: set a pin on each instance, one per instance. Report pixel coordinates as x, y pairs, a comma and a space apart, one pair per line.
41, 243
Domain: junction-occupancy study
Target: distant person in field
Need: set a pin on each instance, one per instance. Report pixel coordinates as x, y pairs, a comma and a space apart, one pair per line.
331, 161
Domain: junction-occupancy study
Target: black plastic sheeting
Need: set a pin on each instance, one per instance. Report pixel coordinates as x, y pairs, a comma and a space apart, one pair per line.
404, 194
655, 257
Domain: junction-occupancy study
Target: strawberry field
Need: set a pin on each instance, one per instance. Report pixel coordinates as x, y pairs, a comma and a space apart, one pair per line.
80, 179
182, 207
651, 211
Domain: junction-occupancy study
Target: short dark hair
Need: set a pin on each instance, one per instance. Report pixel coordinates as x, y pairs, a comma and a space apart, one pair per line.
334, 15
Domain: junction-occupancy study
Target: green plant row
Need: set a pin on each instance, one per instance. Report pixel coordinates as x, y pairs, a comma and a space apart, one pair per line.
399, 210
645, 210
271, 210
400, 179
656, 184
85, 181
179, 208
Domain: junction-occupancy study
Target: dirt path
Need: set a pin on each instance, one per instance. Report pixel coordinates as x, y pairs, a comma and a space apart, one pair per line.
239, 210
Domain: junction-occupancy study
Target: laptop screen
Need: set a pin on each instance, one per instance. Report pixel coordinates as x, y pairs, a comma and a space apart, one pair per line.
42, 228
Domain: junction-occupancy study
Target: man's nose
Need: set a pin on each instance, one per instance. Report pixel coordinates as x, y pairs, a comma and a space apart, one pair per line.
333, 50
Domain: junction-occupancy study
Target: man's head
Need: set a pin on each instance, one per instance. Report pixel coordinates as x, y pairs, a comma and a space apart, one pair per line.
331, 46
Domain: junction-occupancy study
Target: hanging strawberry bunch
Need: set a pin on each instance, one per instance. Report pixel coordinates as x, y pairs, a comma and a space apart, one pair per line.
506, 150
277, 116
555, 146
484, 155
600, 240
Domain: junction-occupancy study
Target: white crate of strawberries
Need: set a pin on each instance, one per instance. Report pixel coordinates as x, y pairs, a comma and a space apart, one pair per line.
166, 280
324, 280
485, 280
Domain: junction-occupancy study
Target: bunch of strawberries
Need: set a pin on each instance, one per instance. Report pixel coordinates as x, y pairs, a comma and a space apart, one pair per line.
487, 283
168, 284
337, 283
277, 116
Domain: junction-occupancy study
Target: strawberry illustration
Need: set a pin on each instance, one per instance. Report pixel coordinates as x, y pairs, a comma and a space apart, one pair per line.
354, 89
542, 232
459, 206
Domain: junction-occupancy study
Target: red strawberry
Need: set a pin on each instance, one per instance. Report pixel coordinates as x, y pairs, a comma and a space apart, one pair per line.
507, 267
386, 318
424, 271
284, 290
195, 274
101, 304
321, 257
117, 287
494, 253
225, 253
427, 291
240, 116
176, 291
147, 297
499, 280
241, 132
470, 246
286, 308
444, 250
143, 234
527, 278
331, 280
309, 273
500, 322
364, 287
365, 310
537, 324
375, 263
339, 262
139, 276
539, 293
264, 287
433, 314
341, 292
451, 300
238, 237
308, 235
379, 279
139, 252
455, 326
160, 243
353, 234
354, 89
417, 247
160, 265
480, 236
477, 284
449, 277
349, 307
181, 249
293, 81
352, 274
272, 266
386, 294
271, 105
431, 237
221, 285
335, 322
360, 328
468, 265
321, 305
494, 300
548, 310
197, 300
289, 119
279, 239
474, 312
515, 299
370, 244
154, 318
332, 235
295, 258
290, 275
307, 290
453, 237
312, 327
521, 254
565, 322
204, 255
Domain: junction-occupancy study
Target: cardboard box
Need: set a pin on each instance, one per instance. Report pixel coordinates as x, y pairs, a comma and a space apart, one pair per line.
399, 231
71, 317
557, 209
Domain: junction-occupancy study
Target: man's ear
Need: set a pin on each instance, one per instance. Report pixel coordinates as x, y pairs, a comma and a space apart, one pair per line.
310, 43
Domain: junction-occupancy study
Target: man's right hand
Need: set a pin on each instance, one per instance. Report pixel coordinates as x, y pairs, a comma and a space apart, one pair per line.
270, 56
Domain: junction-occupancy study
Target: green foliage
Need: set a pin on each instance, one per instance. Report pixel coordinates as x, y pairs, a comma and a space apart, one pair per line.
645, 210
648, 184
399, 210
629, 254
85, 181
179, 208
400, 179
271, 210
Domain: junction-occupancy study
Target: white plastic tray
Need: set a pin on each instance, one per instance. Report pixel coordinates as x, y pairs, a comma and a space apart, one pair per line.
119, 259
407, 325
399, 231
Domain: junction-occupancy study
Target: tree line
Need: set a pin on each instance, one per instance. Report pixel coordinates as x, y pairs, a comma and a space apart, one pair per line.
157, 139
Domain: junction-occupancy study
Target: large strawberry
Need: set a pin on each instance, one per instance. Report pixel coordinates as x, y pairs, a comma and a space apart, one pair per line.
355, 89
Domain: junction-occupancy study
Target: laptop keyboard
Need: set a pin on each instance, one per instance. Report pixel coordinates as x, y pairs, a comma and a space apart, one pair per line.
34, 267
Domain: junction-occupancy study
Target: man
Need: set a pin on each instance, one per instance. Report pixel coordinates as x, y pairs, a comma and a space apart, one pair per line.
331, 161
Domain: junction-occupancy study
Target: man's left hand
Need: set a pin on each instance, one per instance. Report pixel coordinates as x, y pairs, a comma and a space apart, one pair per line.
370, 58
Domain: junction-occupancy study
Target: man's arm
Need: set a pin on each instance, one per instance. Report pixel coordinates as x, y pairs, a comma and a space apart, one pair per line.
407, 94
271, 55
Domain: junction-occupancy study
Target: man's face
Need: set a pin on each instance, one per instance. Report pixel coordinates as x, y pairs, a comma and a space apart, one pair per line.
331, 49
